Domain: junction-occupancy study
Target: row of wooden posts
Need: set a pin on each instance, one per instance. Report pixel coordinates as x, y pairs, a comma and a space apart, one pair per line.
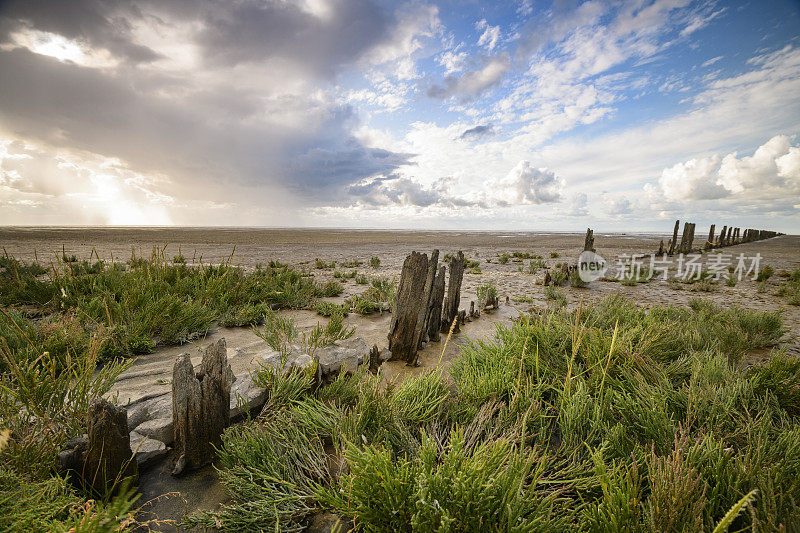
201, 399
421, 311
729, 236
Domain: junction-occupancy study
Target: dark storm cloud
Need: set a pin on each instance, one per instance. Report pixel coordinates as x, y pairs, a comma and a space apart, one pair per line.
101, 23
250, 31
229, 33
163, 121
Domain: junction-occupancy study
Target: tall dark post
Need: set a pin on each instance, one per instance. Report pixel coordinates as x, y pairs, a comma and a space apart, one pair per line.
588, 241
710, 240
453, 300
410, 302
674, 237
684, 238
200, 406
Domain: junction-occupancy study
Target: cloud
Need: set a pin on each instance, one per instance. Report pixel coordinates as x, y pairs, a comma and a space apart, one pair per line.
711, 61
617, 207
490, 35
693, 180
239, 102
452, 60
773, 171
103, 25
89, 189
773, 168
477, 131
579, 205
526, 184
472, 84
412, 25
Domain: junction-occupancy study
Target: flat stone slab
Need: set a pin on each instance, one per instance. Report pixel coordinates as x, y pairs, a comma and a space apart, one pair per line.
347, 354
158, 429
148, 451
246, 396
145, 391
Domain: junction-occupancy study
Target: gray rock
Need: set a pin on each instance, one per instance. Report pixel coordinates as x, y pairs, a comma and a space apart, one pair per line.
347, 353
297, 358
158, 429
157, 407
246, 396
302, 360
148, 451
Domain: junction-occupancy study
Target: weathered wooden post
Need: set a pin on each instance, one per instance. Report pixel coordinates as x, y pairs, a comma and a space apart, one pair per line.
588, 241
684, 237
421, 329
200, 406
674, 240
374, 359
710, 241
410, 303
721, 241
690, 238
437, 297
453, 300
660, 248
109, 459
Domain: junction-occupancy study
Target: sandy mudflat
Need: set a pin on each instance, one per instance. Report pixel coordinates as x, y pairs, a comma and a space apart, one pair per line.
299, 247
150, 373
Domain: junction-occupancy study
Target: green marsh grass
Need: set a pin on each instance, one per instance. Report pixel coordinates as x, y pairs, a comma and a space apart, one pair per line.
154, 300
607, 418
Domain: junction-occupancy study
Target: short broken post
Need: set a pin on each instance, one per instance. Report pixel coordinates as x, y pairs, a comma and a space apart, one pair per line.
109, 460
374, 359
588, 241
200, 406
710, 241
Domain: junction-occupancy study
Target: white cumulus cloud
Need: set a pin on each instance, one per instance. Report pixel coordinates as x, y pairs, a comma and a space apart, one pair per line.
526, 184
773, 171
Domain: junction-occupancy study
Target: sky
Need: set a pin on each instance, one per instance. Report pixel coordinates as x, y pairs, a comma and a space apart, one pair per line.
516, 115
